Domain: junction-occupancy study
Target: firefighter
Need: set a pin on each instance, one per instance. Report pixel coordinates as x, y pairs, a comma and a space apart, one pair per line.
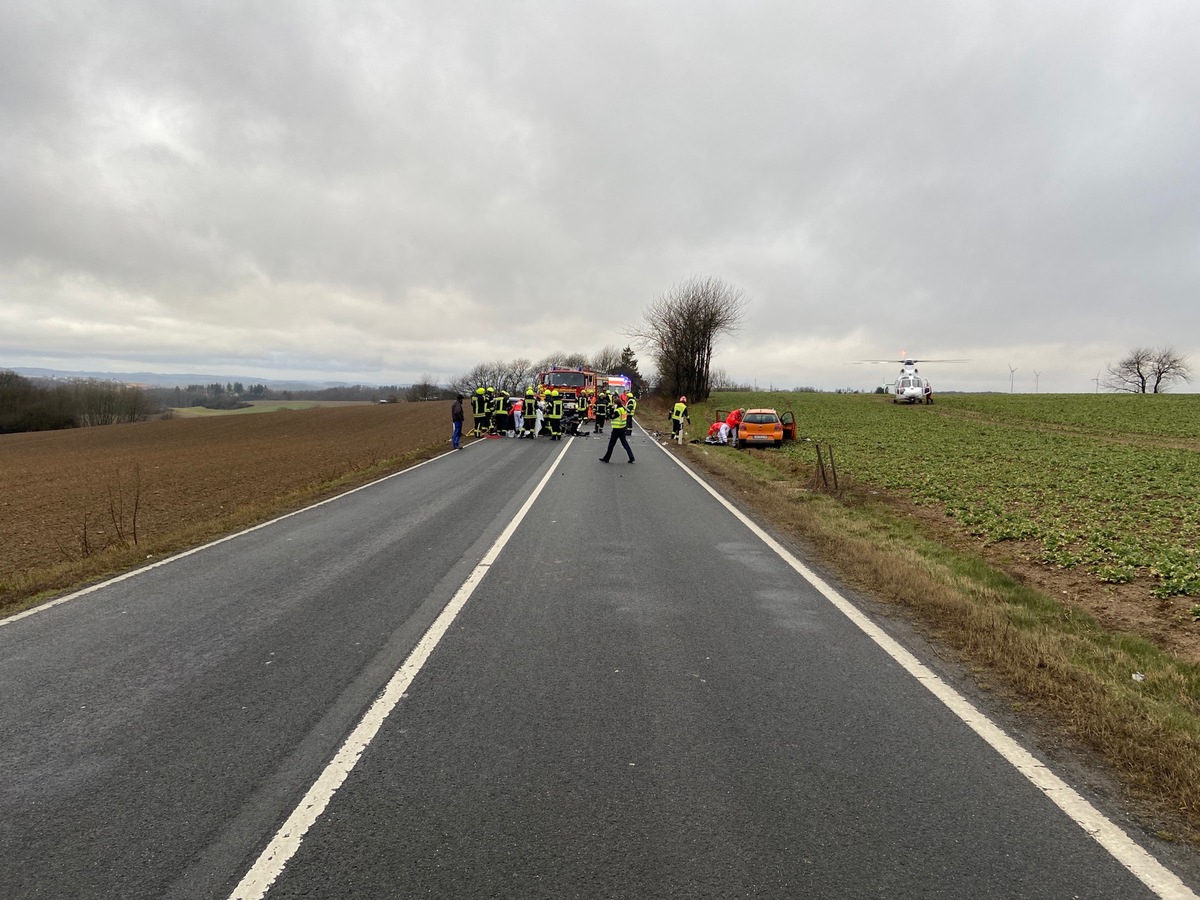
529, 414
601, 411
500, 412
491, 410
631, 408
554, 414
678, 414
587, 407
620, 425
489, 406
479, 410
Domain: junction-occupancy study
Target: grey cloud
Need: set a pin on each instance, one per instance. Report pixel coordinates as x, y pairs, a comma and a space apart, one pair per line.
969, 176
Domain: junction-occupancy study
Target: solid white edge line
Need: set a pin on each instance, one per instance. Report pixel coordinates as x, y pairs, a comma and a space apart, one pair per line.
175, 557
283, 846
1135, 858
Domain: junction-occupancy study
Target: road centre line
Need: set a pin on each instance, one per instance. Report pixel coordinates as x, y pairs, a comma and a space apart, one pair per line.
175, 557
270, 864
1135, 858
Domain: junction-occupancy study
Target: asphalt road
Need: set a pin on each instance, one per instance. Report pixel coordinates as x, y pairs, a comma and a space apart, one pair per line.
639, 699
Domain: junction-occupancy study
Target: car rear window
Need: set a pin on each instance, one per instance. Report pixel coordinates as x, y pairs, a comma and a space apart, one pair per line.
761, 418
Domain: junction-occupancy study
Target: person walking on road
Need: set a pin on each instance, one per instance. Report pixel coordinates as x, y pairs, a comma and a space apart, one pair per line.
620, 425
456, 416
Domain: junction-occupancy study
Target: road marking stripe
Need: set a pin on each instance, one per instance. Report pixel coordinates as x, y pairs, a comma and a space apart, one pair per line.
283, 846
34, 610
1144, 866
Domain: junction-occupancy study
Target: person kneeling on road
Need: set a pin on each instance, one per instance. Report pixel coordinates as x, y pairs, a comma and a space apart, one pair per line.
620, 424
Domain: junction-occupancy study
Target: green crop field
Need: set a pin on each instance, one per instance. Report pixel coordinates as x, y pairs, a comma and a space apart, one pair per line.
1107, 483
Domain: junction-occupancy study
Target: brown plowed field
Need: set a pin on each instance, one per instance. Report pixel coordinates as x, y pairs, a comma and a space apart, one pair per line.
68, 498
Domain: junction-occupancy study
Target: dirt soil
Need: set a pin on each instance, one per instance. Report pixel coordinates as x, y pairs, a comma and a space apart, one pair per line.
68, 495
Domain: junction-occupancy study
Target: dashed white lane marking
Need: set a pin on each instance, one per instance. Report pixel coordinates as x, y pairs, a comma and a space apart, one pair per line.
287, 840
1148, 870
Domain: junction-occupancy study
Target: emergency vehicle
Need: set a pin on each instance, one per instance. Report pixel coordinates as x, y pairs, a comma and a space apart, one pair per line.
619, 384
570, 384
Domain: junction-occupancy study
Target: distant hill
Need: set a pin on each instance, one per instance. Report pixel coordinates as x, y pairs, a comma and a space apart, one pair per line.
156, 379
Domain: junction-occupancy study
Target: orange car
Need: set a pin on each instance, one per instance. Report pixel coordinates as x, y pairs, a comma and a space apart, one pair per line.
760, 426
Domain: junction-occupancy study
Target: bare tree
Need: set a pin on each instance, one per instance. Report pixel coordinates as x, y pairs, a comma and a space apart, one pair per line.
566, 360
427, 389
607, 360
681, 330
107, 403
501, 375
1146, 370
720, 381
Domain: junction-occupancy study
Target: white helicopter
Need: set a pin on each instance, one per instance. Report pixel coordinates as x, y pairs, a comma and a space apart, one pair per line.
909, 386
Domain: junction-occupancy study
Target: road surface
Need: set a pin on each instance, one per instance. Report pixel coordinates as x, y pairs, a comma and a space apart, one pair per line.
627, 693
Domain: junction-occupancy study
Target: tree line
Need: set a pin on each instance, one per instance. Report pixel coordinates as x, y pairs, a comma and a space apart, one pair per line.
516, 375
233, 395
29, 405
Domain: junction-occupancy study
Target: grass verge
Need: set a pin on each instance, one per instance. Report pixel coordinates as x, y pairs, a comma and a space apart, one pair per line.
1048, 659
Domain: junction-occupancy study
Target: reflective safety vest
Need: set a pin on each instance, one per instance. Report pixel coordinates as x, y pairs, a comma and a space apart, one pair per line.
620, 419
556, 407
632, 406
679, 412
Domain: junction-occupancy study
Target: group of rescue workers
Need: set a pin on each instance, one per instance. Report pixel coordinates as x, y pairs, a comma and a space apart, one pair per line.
547, 411
722, 432
544, 411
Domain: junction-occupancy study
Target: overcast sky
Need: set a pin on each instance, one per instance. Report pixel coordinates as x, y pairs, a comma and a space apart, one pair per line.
374, 191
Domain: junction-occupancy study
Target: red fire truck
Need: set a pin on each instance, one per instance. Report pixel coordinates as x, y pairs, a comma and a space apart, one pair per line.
570, 383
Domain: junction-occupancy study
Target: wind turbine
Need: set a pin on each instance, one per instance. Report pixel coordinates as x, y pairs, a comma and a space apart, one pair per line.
1096, 380
1011, 370
1036, 375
